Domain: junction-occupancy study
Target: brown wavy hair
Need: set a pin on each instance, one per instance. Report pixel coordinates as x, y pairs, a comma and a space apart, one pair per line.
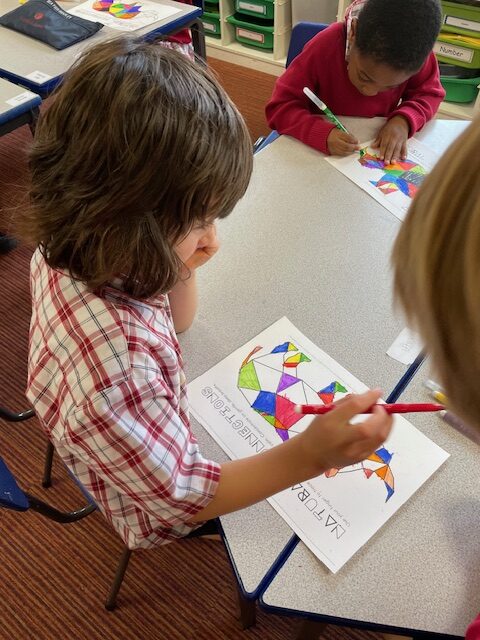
139, 144
436, 260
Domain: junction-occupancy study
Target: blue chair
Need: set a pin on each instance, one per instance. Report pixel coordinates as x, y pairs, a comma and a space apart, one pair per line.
302, 32
13, 497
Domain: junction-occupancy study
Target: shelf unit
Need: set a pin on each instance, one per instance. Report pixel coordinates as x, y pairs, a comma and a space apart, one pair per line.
227, 48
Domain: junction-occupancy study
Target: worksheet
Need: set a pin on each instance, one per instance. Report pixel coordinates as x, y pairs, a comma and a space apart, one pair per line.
247, 403
123, 16
392, 185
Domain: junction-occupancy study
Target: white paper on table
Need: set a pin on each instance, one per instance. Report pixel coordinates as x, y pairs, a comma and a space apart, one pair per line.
334, 516
149, 12
393, 186
406, 346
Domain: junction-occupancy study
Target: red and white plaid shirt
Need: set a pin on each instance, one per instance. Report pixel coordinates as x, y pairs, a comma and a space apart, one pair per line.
106, 380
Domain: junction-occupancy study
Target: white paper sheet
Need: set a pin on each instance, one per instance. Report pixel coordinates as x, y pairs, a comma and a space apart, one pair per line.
142, 13
406, 346
336, 515
394, 186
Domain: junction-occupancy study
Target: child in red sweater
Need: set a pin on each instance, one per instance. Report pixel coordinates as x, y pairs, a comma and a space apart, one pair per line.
377, 64
182, 40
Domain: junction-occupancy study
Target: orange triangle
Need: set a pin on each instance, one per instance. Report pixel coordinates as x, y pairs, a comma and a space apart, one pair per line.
382, 472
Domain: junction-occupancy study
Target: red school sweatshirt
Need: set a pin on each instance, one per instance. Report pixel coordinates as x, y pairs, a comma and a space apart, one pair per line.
473, 631
183, 36
322, 68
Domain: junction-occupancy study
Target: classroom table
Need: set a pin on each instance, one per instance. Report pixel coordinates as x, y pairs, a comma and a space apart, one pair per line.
420, 574
18, 106
39, 67
307, 243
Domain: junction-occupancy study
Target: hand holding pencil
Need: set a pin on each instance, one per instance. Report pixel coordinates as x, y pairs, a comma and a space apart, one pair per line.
340, 141
327, 443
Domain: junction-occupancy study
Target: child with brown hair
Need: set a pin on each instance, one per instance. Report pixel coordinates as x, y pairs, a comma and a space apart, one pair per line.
379, 62
436, 260
139, 154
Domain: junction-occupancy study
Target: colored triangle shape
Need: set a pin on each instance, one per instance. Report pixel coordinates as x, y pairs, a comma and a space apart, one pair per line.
285, 412
281, 348
247, 377
326, 398
295, 358
382, 472
265, 403
384, 455
286, 381
329, 389
339, 388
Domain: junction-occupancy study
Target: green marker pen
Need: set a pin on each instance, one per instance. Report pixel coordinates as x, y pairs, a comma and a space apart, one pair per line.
324, 109
329, 115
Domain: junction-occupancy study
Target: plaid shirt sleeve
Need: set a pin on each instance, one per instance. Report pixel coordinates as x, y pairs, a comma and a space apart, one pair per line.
131, 437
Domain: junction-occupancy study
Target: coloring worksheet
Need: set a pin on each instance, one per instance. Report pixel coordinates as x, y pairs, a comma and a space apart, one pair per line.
123, 16
246, 402
393, 185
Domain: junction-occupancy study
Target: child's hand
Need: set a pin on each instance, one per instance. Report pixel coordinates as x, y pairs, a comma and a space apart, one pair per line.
392, 140
207, 247
340, 143
331, 441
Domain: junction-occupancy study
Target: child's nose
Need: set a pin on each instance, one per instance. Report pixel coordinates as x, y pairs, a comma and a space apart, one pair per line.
209, 236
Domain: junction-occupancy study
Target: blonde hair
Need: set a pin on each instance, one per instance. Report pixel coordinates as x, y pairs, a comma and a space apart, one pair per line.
436, 260
139, 144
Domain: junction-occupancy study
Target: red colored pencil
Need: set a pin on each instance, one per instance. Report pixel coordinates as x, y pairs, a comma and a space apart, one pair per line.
389, 408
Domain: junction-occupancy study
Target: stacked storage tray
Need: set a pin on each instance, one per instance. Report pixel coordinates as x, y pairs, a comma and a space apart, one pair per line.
259, 23
458, 49
263, 9
211, 19
252, 32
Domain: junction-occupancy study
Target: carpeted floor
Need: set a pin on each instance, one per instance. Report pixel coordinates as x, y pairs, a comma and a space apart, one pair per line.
54, 577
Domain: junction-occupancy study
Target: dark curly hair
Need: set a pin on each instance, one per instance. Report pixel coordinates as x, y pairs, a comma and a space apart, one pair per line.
139, 145
400, 33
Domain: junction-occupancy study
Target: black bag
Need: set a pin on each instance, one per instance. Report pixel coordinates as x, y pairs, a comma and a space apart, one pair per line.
44, 20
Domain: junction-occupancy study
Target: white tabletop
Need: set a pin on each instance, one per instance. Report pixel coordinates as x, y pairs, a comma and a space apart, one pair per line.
38, 63
421, 571
307, 243
15, 99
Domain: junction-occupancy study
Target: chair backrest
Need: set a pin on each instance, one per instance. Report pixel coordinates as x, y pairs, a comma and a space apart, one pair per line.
11, 496
302, 32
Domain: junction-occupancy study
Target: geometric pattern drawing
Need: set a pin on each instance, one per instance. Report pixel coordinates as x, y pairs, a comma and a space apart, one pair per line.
376, 464
120, 10
405, 176
272, 386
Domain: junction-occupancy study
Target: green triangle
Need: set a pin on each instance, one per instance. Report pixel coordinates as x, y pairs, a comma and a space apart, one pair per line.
247, 377
304, 358
270, 419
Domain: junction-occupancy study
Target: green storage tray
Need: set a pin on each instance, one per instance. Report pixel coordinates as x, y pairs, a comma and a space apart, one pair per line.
252, 33
258, 8
460, 18
448, 48
211, 21
460, 89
